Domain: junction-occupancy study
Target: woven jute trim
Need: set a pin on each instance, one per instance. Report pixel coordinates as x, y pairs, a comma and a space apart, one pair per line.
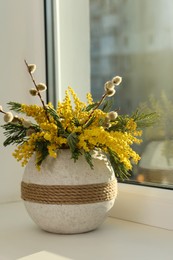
68, 194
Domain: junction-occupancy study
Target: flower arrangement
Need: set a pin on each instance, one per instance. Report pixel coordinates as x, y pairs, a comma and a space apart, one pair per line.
84, 128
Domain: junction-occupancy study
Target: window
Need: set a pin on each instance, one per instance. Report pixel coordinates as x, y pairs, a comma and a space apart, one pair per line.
71, 31
134, 39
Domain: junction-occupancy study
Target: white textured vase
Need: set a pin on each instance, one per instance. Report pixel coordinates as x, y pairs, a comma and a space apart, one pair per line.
77, 214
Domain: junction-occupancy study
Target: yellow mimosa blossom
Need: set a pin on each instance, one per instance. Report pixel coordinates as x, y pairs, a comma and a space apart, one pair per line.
65, 111
118, 142
79, 105
52, 150
24, 151
89, 98
131, 124
38, 113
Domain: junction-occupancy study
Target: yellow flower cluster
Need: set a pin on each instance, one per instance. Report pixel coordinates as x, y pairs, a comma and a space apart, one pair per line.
99, 116
65, 111
131, 124
24, 151
79, 105
89, 126
50, 131
89, 98
68, 114
118, 142
37, 112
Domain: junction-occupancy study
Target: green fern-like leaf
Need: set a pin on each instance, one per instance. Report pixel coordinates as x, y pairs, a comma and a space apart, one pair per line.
72, 142
91, 106
15, 134
61, 131
106, 106
89, 122
145, 119
88, 158
15, 106
42, 150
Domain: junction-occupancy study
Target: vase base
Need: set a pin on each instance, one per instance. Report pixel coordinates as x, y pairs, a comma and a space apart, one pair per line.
69, 219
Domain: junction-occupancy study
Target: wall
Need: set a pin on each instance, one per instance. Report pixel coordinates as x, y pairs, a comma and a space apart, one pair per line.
22, 37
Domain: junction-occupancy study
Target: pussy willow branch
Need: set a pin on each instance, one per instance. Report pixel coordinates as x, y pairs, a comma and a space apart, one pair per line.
1, 111
33, 80
99, 103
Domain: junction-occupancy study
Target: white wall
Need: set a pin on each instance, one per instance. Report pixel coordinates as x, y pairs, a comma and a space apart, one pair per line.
22, 37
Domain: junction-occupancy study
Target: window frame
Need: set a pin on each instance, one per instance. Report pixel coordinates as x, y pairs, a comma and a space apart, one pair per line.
148, 205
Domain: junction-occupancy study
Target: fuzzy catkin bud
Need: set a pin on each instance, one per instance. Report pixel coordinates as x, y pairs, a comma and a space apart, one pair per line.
116, 80
110, 92
31, 68
33, 91
112, 115
41, 87
26, 123
109, 85
1, 109
8, 117
106, 122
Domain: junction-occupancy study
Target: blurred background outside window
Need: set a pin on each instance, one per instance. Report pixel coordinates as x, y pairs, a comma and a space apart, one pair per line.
134, 39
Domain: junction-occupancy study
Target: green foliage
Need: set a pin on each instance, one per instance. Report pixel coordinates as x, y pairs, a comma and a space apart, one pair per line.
89, 122
91, 106
61, 131
106, 106
88, 158
41, 149
15, 106
53, 113
15, 133
121, 122
72, 142
76, 122
144, 119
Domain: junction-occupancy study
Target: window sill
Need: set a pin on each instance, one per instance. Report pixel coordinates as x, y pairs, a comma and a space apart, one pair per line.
115, 238
146, 205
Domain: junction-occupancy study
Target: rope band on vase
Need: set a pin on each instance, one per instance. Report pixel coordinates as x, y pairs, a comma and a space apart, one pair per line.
68, 194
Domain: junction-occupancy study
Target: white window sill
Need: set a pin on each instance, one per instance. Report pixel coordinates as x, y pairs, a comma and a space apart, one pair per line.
146, 205
115, 239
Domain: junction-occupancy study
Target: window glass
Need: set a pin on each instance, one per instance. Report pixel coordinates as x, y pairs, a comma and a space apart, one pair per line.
134, 39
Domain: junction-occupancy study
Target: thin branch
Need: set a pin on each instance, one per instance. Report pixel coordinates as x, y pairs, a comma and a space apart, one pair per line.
42, 101
2, 112
99, 103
